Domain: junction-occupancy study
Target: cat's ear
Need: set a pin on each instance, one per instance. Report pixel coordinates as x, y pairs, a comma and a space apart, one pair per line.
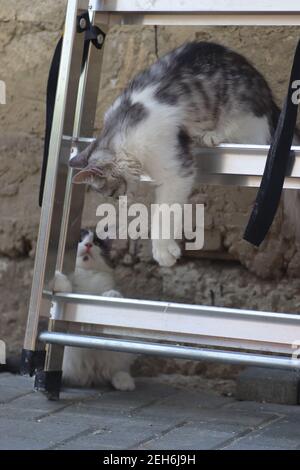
85, 176
82, 177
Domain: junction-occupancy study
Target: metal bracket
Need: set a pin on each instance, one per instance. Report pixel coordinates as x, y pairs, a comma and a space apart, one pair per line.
92, 33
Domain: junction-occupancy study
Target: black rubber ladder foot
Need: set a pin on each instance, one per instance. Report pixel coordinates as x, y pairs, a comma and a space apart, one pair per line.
49, 382
31, 361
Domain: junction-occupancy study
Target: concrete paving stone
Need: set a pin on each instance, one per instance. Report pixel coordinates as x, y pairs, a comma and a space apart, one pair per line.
70, 394
154, 416
187, 403
250, 419
8, 394
113, 432
251, 406
17, 397
25, 435
19, 381
114, 420
200, 399
196, 436
283, 433
241, 445
33, 406
9, 411
104, 418
146, 392
13, 386
26, 383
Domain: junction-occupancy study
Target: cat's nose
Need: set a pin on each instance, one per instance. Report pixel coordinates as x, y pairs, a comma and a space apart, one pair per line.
88, 245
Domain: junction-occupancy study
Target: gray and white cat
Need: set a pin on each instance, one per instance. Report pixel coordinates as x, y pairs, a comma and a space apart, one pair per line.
92, 275
201, 93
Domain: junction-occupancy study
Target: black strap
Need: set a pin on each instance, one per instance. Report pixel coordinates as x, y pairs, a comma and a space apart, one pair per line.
277, 165
51, 93
97, 37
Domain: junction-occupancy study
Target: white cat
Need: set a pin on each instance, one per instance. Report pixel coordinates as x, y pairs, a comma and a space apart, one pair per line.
87, 367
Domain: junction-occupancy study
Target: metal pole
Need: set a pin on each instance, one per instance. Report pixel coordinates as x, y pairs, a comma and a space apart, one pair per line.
182, 352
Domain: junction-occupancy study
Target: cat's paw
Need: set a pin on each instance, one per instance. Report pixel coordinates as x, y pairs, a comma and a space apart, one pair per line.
112, 293
123, 381
165, 252
61, 283
211, 139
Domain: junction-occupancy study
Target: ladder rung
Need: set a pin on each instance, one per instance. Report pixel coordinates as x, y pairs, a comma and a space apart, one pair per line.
183, 323
231, 164
182, 352
194, 6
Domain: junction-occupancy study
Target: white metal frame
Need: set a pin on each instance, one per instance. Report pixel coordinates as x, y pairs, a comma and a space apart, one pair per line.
144, 326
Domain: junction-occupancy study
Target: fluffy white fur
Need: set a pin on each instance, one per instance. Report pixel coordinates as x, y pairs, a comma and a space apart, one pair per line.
86, 367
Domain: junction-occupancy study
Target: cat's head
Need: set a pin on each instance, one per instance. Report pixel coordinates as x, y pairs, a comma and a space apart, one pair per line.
92, 253
98, 168
103, 170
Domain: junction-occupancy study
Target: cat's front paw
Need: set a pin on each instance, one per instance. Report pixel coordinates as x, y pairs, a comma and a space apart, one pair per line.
123, 381
165, 252
211, 139
112, 293
61, 283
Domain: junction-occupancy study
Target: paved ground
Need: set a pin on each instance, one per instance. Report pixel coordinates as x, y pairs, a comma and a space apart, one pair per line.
156, 416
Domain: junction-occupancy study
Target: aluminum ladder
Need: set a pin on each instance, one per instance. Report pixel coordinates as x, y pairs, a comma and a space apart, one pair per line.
210, 333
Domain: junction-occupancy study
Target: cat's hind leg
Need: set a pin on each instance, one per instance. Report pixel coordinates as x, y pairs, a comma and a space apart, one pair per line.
248, 129
237, 129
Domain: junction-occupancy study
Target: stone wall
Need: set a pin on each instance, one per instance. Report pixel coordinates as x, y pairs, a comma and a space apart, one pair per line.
233, 273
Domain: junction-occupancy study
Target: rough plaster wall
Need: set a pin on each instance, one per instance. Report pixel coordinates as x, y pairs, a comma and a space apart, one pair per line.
28, 34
